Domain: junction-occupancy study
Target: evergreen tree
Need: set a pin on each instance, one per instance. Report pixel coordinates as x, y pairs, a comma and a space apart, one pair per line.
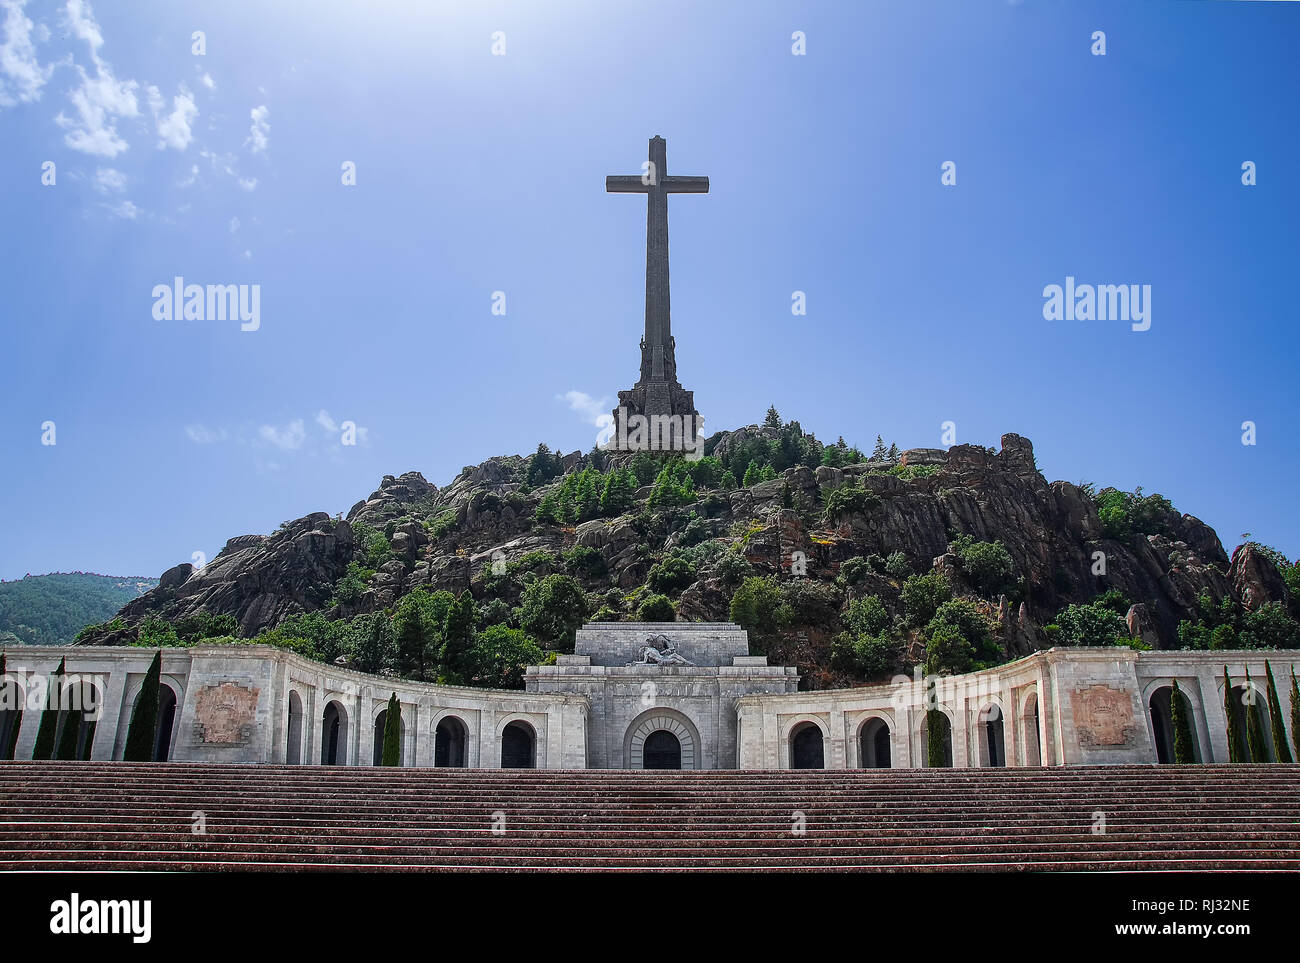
14, 704
50, 717
1281, 752
142, 735
879, 453
458, 639
1230, 713
936, 743
1254, 725
893, 452
1295, 715
773, 420
392, 754
751, 475
72, 721
767, 474
729, 481
1179, 717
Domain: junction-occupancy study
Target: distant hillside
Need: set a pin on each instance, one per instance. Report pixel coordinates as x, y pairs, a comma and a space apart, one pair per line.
52, 609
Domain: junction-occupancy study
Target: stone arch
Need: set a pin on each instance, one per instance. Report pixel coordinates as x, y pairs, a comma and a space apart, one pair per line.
168, 718
925, 737
807, 745
518, 741
667, 720
79, 707
451, 742
12, 698
334, 734
1158, 698
990, 729
1240, 707
1031, 729
875, 749
293, 736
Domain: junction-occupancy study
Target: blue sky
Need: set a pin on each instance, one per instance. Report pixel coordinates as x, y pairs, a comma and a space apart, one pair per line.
479, 173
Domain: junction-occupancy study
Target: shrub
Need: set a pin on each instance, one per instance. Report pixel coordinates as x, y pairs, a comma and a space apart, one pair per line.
922, 596
867, 616
849, 500
584, 561
1269, 627
987, 565
853, 570
1090, 625
501, 657
670, 575
867, 655
897, 565
656, 608
551, 609
733, 568
757, 606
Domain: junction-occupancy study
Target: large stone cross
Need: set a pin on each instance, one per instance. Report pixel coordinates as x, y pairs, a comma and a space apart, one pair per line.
657, 361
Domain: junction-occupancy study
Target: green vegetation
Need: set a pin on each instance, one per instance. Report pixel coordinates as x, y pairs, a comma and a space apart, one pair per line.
671, 575
959, 639
50, 716
849, 499
551, 609
1180, 714
1235, 747
52, 609
501, 657
987, 565
656, 608
1124, 514
922, 596
1096, 623
142, 733
1295, 715
1281, 752
1254, 725
938, 739
392, 749
1225, 624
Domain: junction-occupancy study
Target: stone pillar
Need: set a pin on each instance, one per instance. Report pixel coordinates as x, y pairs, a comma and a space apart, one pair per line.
110, 715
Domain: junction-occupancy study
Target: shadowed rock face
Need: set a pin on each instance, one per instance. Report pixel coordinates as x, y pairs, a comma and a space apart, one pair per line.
446, 538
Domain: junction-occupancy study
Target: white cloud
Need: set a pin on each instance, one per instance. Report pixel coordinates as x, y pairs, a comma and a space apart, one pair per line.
248, 183
194, 176
325, 421
21, 74
202, 435
595, 411
100, 100
205, 78
234, 225
174, 128
109, 181
248, 255
257, 134
126, 210
289, 438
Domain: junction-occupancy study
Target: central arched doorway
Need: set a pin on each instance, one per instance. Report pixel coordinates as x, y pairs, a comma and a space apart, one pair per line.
449, 741
993, 748
662, 750
807, 748
873, 744
518, 746
334, 736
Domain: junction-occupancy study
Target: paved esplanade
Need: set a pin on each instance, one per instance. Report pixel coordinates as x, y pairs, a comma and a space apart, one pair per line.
658, 391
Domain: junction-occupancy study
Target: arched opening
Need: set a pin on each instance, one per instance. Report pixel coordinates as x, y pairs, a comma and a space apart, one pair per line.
1162, 723
11, 716
518, 746
79, 709
162, 744
293, 743
1247, 699
449, 742
807, 750
662, 750
944, 735
873, 744
993, 745
334, 736
1029, 725
381, 722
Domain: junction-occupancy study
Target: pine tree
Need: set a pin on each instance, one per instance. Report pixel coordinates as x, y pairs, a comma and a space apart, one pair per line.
142, 735
1254, 725
1280, 750
1179, 717
767, 474
1230, 713
751, 475
773, 419
1295, 715
392, 754
893, 452
50, 717
458, 636
729, 481
879, 453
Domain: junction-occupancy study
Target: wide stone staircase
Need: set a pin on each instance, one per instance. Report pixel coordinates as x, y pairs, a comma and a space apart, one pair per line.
186, 816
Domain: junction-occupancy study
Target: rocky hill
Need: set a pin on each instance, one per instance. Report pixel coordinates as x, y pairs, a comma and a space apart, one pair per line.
837, 562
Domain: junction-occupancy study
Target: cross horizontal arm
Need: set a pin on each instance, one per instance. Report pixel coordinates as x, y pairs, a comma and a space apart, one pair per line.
686, 185
626, 184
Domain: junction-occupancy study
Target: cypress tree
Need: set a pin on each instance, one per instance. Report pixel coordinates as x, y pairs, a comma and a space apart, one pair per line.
1280, 751
50, 717
1179, 718
392, 755
1254, 726
142, 736
12, 691
1295, 714
1230, 712
936, 748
